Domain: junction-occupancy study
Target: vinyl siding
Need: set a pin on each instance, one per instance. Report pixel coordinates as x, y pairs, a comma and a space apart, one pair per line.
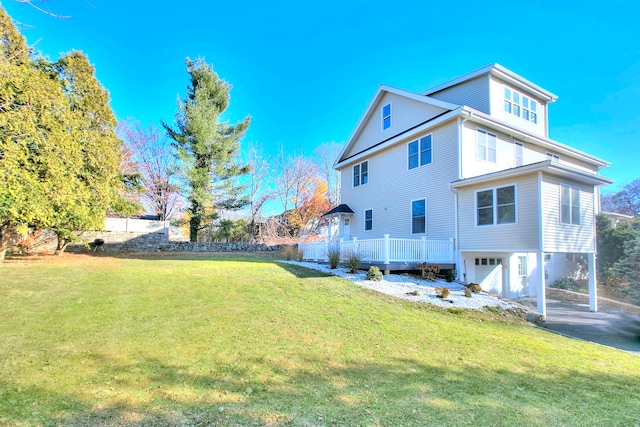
505, 154
497, 109
405, 114
473, 93
392, 187
522, 236
559, 237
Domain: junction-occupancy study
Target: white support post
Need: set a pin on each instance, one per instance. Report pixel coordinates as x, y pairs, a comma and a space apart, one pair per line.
542, 298
593, 288
386, 249
451, 251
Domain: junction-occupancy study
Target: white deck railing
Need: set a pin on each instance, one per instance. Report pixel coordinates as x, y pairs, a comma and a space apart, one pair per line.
384, 251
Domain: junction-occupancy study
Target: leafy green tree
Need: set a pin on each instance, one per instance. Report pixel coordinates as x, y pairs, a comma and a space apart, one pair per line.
92, 126
207, 148
37, 154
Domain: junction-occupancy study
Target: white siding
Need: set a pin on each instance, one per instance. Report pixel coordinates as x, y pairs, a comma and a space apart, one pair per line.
392, 187
521, 236
405, 114
505, 154
473, 93
563, 237
497, 109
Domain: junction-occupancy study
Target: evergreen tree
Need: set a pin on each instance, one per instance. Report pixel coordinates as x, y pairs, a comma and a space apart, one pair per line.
207, 148
627, 269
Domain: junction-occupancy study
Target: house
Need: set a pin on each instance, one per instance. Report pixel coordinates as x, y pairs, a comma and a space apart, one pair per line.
465, 173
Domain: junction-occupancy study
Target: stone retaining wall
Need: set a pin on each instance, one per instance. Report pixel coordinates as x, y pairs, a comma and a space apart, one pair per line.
156, 242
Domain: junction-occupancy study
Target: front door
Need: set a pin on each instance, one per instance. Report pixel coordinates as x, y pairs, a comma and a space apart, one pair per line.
346, 227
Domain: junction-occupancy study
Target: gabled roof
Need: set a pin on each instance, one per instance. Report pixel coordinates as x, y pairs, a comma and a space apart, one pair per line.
547, 166
500, 72
340, 209
382, 90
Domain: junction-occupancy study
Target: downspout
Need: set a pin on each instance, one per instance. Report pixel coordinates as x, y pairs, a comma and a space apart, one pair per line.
541, 297
460, 129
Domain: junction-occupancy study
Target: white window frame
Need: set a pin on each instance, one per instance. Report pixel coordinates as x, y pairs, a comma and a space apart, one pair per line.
362, 179
385, 117
520, 105
485, 154
425, 215
418, 143
495, 208
573, 205
518, 148
365, 220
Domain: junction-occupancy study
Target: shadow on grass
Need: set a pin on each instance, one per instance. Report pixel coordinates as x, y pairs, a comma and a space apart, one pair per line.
400, 392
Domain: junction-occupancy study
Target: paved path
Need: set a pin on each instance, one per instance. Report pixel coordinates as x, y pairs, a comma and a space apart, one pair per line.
607, 327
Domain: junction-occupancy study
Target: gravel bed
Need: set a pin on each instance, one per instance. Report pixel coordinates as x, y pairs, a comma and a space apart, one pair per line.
406, 285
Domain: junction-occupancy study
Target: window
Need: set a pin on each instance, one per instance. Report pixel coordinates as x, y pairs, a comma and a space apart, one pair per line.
520, 105
569, 205
418, 216
519, 148
386, 116
420, 152
368, 220
486, 146
553, 157
496, 206
361, 174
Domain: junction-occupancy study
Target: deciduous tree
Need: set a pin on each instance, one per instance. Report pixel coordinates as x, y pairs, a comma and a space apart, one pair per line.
207, 148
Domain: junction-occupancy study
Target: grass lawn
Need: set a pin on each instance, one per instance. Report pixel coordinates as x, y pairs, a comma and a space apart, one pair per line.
242, 340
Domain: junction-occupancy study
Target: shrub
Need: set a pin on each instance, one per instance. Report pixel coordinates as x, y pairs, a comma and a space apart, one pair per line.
334, 258
450, 275
474, 287
467, 293
290, 252
442, 292
374, 274
566, 283
300, 255
354, 259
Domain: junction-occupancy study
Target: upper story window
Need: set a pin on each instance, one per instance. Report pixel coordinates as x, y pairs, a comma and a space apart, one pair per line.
569, 205
420, 152
553, 157
519, 153
496, 206
361, 174
368, 220
520, 105
418, 216
386, 116
486, 146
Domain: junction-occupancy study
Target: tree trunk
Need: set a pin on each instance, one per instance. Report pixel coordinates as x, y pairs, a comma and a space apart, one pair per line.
5, 234
62, 245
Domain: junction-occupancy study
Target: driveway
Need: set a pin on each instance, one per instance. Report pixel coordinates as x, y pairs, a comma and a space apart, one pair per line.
607, 327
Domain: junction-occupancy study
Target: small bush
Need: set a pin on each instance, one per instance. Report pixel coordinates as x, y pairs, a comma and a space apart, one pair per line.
413, 293
290, 252
374, 274
450, 275
300, 255
474, 287
334, 258
467, 293
354, 259
442, 292
566, 283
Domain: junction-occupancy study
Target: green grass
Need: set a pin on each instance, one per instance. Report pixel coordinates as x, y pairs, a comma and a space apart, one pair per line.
242, 340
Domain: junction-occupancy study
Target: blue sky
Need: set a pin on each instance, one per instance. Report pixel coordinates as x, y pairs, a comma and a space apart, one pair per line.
306, 71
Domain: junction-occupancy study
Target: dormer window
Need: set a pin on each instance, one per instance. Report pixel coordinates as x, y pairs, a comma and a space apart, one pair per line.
386, 116
520, 105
